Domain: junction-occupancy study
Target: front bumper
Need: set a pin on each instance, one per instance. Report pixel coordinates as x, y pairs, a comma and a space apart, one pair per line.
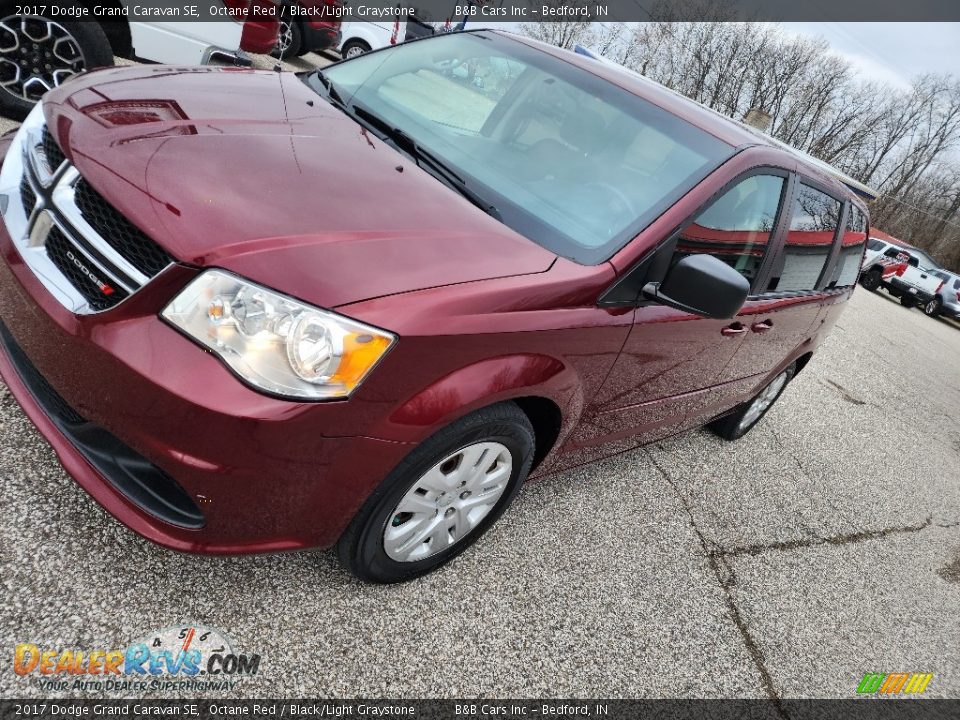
263, 474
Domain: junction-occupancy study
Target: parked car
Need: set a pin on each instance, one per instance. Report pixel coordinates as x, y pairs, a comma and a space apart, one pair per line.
359, 37
875, 249
39, 52
314, 29
882, 263
946, 301
914, 281
499, 282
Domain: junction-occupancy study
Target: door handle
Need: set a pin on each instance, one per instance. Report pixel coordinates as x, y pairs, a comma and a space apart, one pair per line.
734, 330
762, 326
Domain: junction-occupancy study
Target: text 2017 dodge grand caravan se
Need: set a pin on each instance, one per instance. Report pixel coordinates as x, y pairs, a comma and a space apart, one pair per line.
256, 311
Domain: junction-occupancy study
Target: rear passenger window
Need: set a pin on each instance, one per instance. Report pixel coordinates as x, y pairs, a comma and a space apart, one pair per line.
851, 250
874, 244
812, 229
737, 227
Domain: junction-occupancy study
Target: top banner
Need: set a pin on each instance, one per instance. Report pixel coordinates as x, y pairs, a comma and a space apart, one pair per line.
477, 12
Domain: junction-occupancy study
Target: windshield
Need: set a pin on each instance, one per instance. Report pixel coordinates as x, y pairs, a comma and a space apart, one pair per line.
568, 159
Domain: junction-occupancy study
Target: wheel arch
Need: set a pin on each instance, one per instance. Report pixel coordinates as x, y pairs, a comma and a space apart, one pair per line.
801, 362
117, 31
547, 391
547, 420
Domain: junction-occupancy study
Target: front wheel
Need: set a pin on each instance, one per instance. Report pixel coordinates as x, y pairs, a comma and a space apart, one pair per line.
932, 308
442, 497
871, 280
742, 420
353, 48
38, 54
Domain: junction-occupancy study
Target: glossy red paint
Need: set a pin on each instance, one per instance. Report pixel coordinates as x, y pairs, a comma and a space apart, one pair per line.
260, 32
232, 169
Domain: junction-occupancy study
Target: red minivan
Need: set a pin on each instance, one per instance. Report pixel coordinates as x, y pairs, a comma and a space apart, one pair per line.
257, 311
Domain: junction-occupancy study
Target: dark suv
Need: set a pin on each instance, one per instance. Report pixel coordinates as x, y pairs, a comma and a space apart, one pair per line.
525, 260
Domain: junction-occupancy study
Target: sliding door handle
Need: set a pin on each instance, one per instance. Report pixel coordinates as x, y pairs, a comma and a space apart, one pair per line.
734, 330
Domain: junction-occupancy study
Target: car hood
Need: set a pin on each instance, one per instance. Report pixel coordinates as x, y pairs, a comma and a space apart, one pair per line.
253, 172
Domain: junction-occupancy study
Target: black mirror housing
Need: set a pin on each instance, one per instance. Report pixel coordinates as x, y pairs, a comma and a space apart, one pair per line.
703, 285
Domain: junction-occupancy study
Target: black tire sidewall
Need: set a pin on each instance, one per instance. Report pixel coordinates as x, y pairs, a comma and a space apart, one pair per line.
362, 549
740, 432
354, 43
92, 41
871, 280
729, 427
936, 308
296, 43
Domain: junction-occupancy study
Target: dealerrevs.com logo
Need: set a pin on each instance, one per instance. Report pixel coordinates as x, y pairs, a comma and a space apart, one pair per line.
178, 658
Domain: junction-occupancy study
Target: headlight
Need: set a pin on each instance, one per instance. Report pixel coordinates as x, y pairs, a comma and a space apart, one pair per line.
274, 342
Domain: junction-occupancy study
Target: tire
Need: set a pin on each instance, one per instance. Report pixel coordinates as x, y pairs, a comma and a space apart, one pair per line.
79, 46
353, 48
871, 280
293, 33
740, 422
907, 301
932, 308
376, 548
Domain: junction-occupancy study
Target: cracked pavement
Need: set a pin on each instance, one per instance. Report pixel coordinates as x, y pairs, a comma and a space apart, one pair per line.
823, 545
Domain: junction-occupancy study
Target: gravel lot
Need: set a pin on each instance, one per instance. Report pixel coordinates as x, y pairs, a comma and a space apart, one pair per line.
823, 545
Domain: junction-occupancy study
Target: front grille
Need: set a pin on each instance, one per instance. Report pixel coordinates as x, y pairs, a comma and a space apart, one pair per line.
58, 247
91, 257
128, 240
55, 156
27, 195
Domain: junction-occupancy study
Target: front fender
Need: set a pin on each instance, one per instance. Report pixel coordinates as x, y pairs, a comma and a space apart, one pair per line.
484, 383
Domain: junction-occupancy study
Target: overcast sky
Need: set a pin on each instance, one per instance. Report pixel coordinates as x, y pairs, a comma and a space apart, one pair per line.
891, 51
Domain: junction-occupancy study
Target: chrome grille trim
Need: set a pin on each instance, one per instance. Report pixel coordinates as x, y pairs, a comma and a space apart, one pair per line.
63, 200
55, 206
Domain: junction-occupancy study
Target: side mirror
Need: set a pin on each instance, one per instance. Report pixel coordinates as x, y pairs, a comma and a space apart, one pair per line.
703, 285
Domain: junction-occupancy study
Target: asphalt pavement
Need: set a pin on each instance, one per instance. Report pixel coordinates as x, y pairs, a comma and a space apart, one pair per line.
824, 545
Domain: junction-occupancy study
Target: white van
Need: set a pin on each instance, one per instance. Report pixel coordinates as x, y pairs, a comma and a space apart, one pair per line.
360, 37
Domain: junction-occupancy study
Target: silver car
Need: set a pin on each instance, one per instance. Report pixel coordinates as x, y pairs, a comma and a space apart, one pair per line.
947, 300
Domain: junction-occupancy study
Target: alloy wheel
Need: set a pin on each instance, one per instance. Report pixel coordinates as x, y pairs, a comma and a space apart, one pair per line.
36, 55
448, 502
353, 51
763, 401
285, 37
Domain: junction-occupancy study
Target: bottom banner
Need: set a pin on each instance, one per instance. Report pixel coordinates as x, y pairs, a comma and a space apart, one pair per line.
487, 709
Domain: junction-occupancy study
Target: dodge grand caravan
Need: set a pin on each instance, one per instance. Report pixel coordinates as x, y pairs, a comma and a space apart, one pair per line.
257, 311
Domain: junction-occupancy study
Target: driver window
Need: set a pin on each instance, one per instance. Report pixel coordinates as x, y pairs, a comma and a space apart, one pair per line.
736, 228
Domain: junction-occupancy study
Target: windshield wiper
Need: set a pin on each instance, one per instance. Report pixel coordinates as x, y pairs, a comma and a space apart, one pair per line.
423, 158
331, 89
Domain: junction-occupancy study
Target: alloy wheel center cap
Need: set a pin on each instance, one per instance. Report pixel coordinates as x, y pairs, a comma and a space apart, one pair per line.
445, 499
